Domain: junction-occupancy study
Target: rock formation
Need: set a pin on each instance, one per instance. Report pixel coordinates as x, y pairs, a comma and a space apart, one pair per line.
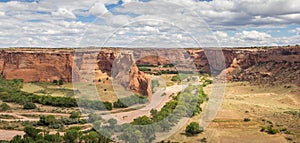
257, 65
46, 65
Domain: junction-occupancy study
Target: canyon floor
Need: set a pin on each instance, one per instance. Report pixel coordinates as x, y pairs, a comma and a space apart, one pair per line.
264, 106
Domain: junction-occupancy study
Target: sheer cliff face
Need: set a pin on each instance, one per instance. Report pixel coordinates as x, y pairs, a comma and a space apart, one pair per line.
46, 65
260, 66
36, 66
279, 65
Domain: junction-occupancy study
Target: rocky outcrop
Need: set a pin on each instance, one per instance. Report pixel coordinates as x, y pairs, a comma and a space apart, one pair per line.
266, 66
256, 65
126, 73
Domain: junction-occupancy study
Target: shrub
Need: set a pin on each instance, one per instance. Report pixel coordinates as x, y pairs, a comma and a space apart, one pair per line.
144, 69
60, 82
129, 101
262, 129
176, 78
246, 119
54, 81
272, 131
193, 128
75, 115
29, 106
4, 107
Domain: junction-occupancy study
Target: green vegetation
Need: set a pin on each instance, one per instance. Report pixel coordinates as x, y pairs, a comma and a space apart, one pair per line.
207, 82
10, 91
7, 116
58, 82
4, 107
193, 129
272, 131
145, 65
292, 112
143, 69
72, 135
144, 120
263, 129
129, 101
181, 76
168, 65
246, 120
75, 115
54, 81
166, 72
29, 105
95, 105
51, 122
185, 104
176, 78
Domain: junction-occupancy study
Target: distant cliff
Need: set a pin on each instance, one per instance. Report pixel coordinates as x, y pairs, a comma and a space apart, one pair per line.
257, 65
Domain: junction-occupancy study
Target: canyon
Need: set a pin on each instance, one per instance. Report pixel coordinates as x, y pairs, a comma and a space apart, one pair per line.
257, 65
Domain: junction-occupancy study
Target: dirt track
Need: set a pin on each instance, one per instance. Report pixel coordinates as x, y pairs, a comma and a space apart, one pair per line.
157, 102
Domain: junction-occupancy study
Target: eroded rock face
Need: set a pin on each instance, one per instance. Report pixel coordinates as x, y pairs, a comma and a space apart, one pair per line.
258, 66
126, 73
46, 65
33, 66
254, 65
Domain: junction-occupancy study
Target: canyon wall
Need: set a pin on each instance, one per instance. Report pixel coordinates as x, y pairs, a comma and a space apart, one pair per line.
257, 65
265, 65
46, 65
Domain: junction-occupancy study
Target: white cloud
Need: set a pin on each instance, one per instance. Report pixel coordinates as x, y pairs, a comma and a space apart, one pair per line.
221, 34
129, 1
116, 20
253, 35
64, 13
296, 31
98, 9
55, 23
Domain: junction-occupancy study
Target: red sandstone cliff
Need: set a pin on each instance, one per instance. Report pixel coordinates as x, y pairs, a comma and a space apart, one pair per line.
33, 66
254, 65
46, 65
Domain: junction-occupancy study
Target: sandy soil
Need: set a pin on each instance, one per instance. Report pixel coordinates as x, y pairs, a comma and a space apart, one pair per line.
9, 134
260, 104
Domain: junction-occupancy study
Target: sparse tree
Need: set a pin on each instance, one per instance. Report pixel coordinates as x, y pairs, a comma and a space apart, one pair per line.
193, 128
29, 105
75, 115
4, 107
60, 82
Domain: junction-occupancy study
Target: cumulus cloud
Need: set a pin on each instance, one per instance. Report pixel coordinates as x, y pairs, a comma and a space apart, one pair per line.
58, 23
253, 35
221, 34
98, 9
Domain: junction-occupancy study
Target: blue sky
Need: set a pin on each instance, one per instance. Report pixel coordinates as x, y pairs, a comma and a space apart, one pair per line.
143, 23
